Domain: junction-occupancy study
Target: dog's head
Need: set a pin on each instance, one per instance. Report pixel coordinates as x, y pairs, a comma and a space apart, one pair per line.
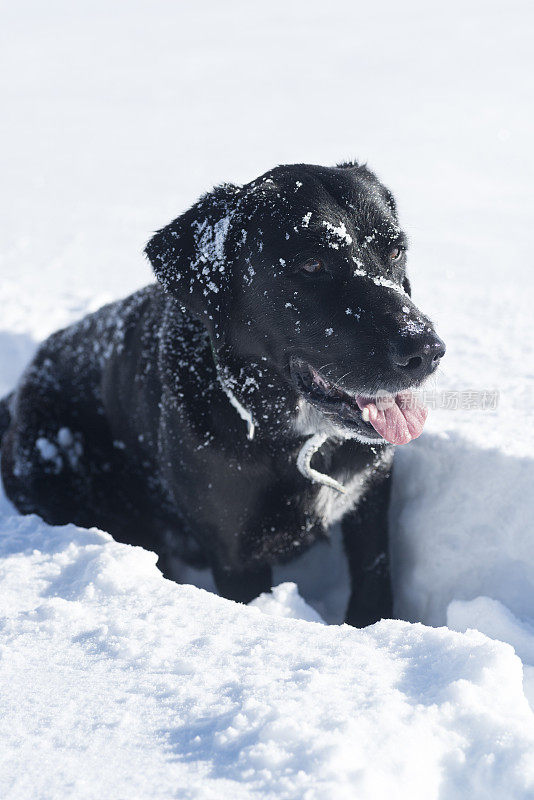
304, 270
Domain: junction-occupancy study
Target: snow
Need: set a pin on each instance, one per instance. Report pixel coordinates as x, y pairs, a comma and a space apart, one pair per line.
116, 683
285, 601
244, 413
337, 234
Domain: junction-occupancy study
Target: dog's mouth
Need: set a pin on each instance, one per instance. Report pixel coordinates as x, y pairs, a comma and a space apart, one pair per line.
395, 418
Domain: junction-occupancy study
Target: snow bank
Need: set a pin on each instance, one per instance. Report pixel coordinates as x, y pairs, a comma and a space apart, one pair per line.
495, 620
462, 521
133, 686
284, 601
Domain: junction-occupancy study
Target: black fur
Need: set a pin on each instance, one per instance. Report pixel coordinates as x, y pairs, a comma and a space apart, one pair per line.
132, 419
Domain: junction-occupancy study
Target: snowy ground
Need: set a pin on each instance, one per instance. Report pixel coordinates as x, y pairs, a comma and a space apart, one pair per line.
116, 683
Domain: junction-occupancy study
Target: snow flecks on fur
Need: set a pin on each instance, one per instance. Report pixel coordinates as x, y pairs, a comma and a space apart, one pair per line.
210, 240
227, 383
48, 451
67, 446
411, 327
378, 280
337, 234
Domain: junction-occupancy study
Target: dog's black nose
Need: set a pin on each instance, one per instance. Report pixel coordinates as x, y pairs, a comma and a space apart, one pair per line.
419, 355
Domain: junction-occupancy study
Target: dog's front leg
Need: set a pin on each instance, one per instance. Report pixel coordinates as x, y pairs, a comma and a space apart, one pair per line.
365, 537
242, 586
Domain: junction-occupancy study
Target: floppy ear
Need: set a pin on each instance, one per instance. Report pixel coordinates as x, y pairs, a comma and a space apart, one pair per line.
189, 256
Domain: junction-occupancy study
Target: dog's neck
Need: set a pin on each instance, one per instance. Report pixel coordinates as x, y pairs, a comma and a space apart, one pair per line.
274, 414
258, 394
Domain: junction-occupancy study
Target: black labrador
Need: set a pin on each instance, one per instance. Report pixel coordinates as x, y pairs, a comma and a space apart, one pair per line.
230, 413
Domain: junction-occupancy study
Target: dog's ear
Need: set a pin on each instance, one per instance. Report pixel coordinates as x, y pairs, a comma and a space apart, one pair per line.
189, 256
390, 200
350, 164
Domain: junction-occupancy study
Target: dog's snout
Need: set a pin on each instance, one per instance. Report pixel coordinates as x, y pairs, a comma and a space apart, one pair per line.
418, 355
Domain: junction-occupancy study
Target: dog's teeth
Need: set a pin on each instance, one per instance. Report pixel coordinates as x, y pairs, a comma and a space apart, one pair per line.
365, 414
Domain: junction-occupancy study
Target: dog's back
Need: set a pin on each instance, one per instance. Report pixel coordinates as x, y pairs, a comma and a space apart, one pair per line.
76, 412
5, 415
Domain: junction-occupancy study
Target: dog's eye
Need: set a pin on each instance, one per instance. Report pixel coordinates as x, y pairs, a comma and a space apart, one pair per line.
395, 254
312, 266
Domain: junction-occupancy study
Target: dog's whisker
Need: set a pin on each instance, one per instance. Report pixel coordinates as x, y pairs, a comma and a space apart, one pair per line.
329, 364
336, 384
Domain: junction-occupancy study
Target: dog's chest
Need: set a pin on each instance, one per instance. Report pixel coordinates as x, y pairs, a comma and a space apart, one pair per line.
330, 506
351, 463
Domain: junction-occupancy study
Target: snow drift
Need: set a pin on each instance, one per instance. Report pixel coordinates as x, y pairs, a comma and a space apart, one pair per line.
132, 686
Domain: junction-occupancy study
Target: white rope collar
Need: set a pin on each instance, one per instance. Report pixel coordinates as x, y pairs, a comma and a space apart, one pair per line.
306, 453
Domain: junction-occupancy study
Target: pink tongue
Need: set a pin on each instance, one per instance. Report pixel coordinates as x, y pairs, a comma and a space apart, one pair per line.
398, 419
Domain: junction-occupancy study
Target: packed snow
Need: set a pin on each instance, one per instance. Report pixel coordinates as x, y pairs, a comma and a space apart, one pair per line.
117, 683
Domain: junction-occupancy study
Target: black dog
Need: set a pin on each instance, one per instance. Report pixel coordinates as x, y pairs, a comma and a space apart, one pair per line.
229, 414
